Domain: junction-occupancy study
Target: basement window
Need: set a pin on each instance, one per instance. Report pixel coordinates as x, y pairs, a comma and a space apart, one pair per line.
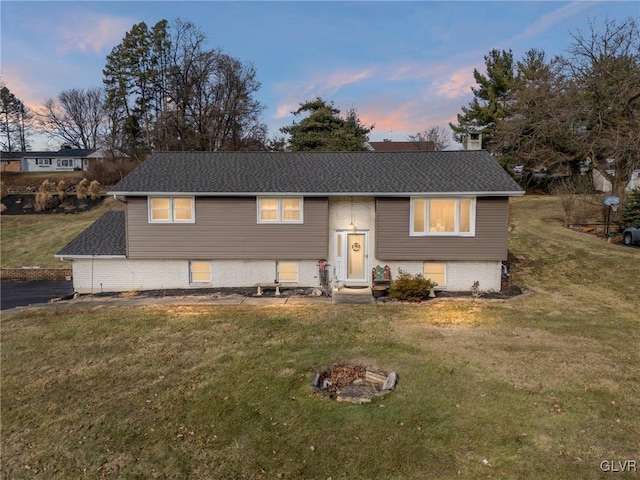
287, 272
436, 272
199, 272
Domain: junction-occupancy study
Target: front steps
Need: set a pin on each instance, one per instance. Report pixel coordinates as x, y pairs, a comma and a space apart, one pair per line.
352, 295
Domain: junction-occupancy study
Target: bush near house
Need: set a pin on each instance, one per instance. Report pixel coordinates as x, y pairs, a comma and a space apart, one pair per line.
412, 288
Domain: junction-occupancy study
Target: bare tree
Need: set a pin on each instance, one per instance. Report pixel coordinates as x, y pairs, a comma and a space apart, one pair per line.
15, 122
77, 117
604, 67
432, 138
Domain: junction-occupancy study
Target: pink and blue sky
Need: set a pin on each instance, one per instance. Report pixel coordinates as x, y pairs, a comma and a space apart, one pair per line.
404, 66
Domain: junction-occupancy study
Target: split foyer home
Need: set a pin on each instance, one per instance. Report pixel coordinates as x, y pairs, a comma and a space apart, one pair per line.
299, 219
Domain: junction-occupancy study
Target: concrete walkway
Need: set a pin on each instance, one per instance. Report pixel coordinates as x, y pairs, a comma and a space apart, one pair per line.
91, 301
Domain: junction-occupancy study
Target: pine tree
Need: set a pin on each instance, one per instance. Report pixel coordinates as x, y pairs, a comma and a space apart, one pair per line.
631, 210
490, 97
325, 130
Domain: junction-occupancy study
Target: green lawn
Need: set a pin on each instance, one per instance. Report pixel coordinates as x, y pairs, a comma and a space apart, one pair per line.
33, 240
543, 386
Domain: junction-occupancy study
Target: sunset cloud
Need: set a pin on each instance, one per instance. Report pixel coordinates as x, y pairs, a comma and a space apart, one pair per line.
92, 34
456, 84
555, 17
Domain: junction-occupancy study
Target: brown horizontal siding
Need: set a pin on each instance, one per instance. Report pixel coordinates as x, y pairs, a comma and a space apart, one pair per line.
393, 241
226, 229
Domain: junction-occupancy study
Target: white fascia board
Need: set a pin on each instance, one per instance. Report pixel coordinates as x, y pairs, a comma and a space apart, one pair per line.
319, 194
99, 257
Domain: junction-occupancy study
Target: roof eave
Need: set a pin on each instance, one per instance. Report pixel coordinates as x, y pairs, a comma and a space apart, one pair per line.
102, 257
510, 193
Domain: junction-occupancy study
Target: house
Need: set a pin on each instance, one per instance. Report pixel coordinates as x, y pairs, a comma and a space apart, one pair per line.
66, 159
603, 185
237, 219
10, 161
389, 146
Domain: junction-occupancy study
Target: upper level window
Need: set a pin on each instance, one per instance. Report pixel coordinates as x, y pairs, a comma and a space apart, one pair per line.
443, 216
171, 210
279, 210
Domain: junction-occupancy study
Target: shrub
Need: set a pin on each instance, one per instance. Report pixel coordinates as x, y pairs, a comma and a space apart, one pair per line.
94, 190
62, 189
44, 198
110, 172
412, 288
3, 207
81, 189
4, 192
631, 209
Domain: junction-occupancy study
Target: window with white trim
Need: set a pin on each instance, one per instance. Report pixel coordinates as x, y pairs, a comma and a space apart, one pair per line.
280, 209
436, 272
65, 162
43, 161
171, 210
443, 216
287, 272
199, 272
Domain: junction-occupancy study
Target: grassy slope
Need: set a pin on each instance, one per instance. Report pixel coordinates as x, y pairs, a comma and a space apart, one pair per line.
33, 240
545, 386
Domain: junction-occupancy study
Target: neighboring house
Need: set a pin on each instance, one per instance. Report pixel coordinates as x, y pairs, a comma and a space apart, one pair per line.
389, 146
603, 185
237, 219
64, 160
10, 161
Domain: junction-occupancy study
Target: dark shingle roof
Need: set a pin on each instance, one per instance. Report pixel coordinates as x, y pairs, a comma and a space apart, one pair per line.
65, 152
10, 155
104, 237
402, 146
318, 173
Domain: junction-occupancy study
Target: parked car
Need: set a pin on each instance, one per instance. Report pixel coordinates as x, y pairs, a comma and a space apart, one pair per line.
631, 235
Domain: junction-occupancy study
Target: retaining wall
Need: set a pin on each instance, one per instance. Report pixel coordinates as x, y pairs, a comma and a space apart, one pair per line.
35, 273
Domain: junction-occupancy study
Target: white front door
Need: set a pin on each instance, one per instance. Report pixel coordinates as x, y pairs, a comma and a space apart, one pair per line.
351, 256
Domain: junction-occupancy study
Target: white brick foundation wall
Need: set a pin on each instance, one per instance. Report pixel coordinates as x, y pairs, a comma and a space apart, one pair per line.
120, 275
460, 275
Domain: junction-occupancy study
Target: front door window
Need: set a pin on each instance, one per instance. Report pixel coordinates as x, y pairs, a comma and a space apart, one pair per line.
355, 256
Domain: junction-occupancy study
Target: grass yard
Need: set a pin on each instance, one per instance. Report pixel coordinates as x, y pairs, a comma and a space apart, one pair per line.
543, 386
33, 240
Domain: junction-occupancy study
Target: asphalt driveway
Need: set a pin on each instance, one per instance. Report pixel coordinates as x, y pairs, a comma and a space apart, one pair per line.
20, 294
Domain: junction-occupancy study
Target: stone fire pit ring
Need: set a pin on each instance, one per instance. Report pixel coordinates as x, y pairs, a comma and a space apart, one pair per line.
353, 383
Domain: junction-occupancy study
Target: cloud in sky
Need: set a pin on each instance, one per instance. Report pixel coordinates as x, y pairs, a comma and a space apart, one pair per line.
91, 33
321, 84
456, 84
555, 17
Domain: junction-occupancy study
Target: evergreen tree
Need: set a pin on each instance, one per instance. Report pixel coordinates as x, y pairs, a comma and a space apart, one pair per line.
631, 210
325, 130
490, 97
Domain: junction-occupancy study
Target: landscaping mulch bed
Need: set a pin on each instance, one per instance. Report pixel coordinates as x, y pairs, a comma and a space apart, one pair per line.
209, 292
24, 204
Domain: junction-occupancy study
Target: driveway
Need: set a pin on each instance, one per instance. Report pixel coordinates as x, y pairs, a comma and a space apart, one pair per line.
19, 294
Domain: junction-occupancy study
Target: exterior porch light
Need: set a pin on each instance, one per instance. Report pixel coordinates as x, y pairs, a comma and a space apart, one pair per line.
352, 225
